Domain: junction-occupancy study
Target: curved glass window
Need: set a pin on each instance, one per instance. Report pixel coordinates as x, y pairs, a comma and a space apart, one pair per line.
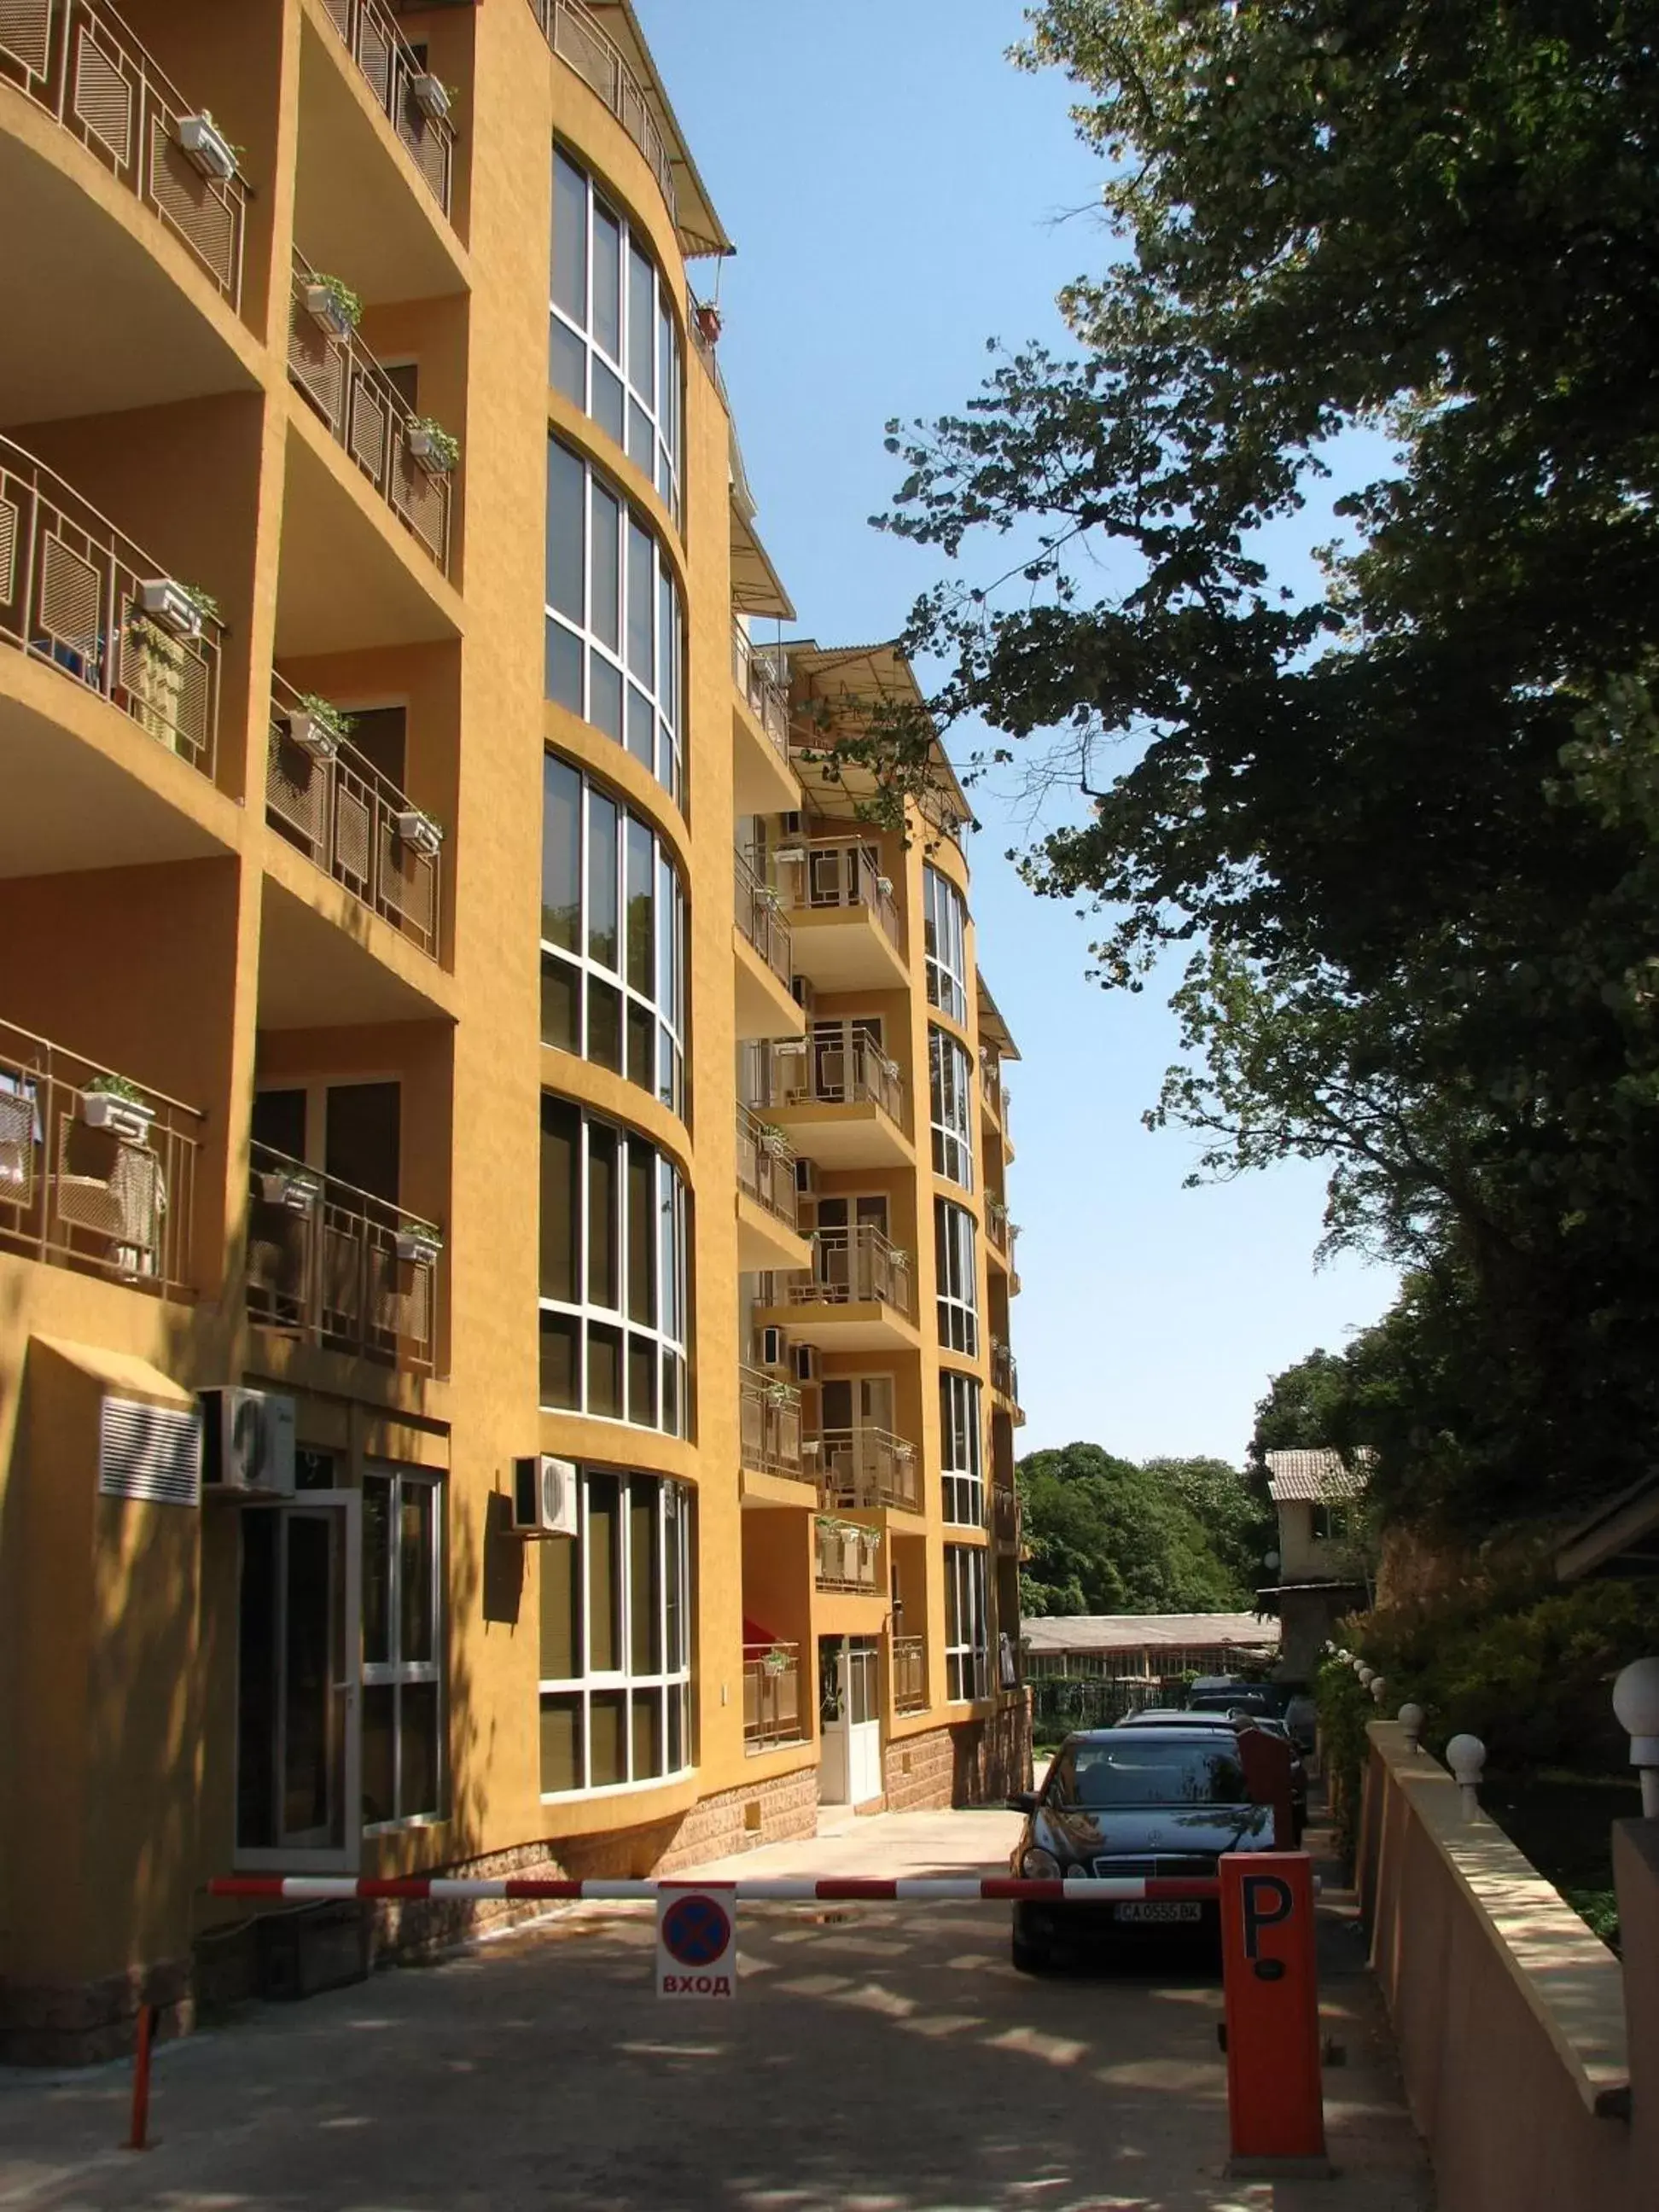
967, 1625
615, 1640
961, 1449
613, 936
613, 343
951, 1079
944, 930
613, 1274
613, 650
956, 1263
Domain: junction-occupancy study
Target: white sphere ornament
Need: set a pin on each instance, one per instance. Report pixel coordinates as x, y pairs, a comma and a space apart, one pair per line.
1410, 1722
1636, 1702
1466, 1755
1367, 1674
1379, 1688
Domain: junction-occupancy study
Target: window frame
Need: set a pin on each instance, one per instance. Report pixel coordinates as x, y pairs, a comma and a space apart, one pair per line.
396, 1672
967, 1655
956, 1258
952, 1137
944, 938
962, 1487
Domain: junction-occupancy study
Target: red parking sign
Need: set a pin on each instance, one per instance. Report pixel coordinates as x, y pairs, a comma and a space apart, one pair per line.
1275, 2103
698, 1940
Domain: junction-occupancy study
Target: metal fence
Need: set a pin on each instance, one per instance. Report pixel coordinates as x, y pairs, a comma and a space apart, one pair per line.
769, 1420
760, 916
909, 1674
830, 1071
576, 38
1062, 1702
390, 68
766, 1167
868, 1467
853, 1266
769, 698
771, 1695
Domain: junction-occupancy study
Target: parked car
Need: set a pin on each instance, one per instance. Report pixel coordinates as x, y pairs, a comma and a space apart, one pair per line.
1221, 1693
1236, 1718
1144, 1801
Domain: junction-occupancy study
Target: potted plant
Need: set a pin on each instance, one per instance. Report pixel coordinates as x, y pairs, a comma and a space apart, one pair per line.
774, 1139
777, 1661
182, 609
436, 448
779, 1394
206, 145
707, 318
295, 1189
317, 726
110, 1102
885, 885
333, 305
431, 95
420, 1243
420, 832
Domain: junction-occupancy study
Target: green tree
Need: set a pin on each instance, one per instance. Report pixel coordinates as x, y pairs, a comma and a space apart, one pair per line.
1405, 828
1106, 1535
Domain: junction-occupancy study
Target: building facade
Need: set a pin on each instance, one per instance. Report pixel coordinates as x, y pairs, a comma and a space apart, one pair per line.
405, 1146
1320, 1502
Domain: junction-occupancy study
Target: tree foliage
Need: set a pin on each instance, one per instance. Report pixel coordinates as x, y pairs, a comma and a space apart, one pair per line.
1106, 1535
1405, 826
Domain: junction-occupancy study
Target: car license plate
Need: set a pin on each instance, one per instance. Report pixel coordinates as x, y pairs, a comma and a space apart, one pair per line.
1161, 1915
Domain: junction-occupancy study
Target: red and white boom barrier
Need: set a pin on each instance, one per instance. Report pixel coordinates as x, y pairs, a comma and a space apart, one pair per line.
921, 1889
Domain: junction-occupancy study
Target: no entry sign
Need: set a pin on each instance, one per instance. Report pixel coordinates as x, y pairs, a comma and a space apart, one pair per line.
698, 1940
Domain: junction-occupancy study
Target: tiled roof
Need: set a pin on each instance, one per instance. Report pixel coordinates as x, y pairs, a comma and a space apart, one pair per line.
1135, 1632
1314, 1478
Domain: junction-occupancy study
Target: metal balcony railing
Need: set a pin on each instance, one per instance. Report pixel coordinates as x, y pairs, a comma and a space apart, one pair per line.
757, 680
768, 1422
866, 1469
1005, 1518
909, 1674
992, 1087
766, 1166
760, 916
855, 1072
367, 416
71, 594
391, 69
1002, 1232
841, 871
576, 38
339, 1267
852, 1266
344, 816
96, 1173
849, 1557
1004, 1372
78, 61
771, 1695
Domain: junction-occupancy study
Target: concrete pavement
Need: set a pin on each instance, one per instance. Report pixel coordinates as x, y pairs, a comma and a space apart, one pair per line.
877, 2059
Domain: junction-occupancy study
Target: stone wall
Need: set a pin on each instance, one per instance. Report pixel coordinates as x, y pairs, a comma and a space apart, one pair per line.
967, 1763
84, 2023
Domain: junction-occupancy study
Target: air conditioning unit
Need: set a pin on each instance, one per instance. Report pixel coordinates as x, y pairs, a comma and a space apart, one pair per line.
804, 996
789, 825
806, 1178
247, 1445
774, 1347
544, 1497
807, 1363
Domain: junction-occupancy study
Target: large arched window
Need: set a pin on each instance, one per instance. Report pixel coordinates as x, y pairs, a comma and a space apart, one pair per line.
613, 1274
613, 343
613, 936
615, 1637
613, 650
945, 931
957, 1261
951, 1083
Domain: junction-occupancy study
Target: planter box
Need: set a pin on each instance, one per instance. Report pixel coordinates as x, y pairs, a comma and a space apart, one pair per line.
122, 1117
327, 312
420, 831
201, 138
430, 94
170, 605
419, 1246
424, 448
297, 1194
313, 735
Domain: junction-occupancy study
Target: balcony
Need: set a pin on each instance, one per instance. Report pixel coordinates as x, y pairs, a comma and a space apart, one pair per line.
1005, 1518
846, 928
763, 781
768, 1234
842, 1101
97, 1174
764, 946
992, 1092
78, 594
336, 1266
909, 1674
866, 1469
859, 1297
1002, 1235
771, 1696
1004, 1379
350, 820
390, 69
79, 62
847, 1557
576, 38
770, 1427
759, 913
367, 416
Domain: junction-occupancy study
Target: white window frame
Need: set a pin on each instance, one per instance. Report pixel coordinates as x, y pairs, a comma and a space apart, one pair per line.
399, 1674
669, 1681
668, 941
667, 1332
967, 1625
951, 1094
955, 1247
944, 934
963, 1485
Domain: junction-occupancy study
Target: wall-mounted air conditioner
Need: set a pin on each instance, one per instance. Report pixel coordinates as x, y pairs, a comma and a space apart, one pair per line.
806, 1178
774, 1347
544, 1497
807, 1363
247, 1443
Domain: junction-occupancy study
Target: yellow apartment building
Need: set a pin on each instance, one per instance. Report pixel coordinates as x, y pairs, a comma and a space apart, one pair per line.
503, 1354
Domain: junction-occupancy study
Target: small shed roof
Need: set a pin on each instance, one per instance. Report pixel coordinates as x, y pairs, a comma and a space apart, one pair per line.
1314, 1477
1148, 1631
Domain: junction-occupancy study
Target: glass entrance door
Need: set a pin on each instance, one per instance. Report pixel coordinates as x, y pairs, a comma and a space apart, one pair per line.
298, 1759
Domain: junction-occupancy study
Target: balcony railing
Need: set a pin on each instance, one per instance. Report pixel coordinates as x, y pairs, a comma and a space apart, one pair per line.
337, 1267
577, 39
769, 1425
391, 69
1005, 1518
760, 916
78, 60
1002, 1232
771, 1695
766, 1166
767, 698
344, 816
991, 1085
856, 1072
839, 871
72, 591
1004, 1372
909, 1674
866, 1469
849, 1557
368, 416
852, 1266
96, 1173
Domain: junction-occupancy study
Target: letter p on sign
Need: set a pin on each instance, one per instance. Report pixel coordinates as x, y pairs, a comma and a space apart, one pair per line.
698, 1940
1275, 2105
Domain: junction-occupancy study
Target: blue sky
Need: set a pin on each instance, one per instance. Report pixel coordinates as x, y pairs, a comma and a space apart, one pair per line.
898, 194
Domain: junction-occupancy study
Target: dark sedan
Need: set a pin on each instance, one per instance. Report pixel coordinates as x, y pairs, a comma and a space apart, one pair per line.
1120, 1801
1154, 1716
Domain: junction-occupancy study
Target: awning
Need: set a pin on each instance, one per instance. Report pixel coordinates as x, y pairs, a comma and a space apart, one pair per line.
757, 587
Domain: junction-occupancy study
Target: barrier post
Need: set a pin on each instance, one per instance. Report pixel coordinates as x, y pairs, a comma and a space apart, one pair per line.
1275, 2103
139, 2138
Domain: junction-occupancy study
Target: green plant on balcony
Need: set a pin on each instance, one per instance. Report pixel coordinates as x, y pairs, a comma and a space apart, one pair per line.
777, 1661
114, 1086
317, 726
436, 449
331, 301
774, 1138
